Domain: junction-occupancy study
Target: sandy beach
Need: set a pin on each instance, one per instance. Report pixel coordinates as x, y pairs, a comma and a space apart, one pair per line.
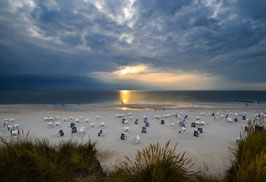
210, 149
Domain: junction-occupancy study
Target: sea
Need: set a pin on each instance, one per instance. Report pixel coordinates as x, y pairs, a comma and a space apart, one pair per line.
205, 99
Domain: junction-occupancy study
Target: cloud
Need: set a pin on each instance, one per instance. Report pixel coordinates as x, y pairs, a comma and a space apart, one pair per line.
217, 40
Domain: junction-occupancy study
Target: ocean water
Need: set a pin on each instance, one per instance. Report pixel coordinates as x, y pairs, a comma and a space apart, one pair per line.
217, 99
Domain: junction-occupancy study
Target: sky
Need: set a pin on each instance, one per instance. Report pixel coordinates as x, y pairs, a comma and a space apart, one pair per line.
132, 44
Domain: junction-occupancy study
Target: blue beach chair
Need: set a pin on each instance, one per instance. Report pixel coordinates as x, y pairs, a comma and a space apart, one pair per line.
74, 129
200, 130
72, 125
162, 121
123, 136
61, 133
193, 124
137, 121
235, 119
147, 124
145, 120
183, 125
196, 133
143, 130
100, 133
123, 120
244, 117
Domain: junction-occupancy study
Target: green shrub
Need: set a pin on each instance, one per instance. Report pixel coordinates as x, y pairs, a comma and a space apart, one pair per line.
154, 163
29, 160
249, 162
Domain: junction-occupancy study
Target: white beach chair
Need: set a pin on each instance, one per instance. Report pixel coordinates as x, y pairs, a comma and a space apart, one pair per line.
102, 125
202, 123
57, 118
181, 113
183, 130
51, 118
98, 117
197, 122
15, 127
131, 117
198, 118
14, 133
173, 114
87, 121
77, 120
126, 129
70, 118
57, 124
82, 130
136, 139
50, 124
222, 116
126, 122
12, 120
129, 114
229, 120
172, 125
118, 115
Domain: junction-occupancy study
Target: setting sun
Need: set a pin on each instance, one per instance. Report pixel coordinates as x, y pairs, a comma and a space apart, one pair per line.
132, 69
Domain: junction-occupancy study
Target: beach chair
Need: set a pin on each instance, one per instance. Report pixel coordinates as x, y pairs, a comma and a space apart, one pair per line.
123, 136
137, 121
183, 130
87, 121
57, 118
172, 125
50, 124
14, 133
9, 127
145, 119
143, 130
92, 125
202, 123
123, 120
183, 125
82, 130
126, 129
137, 139
15, 127
65, 119
70, 118
198, 118
45, 119
213, 114
100, 133
77, 120
131, 117
61, 133
74, 129
98, 118
155, 117
126, 122
229, 120
236, 119
80, 118
197, 122
147, 124
200, 130
244, 117
162, 121
221, 116
51, 118
196, 133
57, 124
102, 125
72, 125
129, 114
181, 113
12, 120
193, 124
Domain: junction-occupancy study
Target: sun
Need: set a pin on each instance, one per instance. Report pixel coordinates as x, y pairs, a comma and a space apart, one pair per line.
132, 69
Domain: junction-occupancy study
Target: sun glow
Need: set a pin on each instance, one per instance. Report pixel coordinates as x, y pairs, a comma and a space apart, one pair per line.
124, 96
132, 69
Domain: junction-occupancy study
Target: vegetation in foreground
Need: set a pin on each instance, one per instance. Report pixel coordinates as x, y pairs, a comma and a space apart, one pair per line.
37, 160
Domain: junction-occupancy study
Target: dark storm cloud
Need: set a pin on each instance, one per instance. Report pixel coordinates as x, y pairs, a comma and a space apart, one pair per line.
225, 39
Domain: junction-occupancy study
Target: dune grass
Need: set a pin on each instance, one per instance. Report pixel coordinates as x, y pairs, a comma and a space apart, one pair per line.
249, 163
29, 160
